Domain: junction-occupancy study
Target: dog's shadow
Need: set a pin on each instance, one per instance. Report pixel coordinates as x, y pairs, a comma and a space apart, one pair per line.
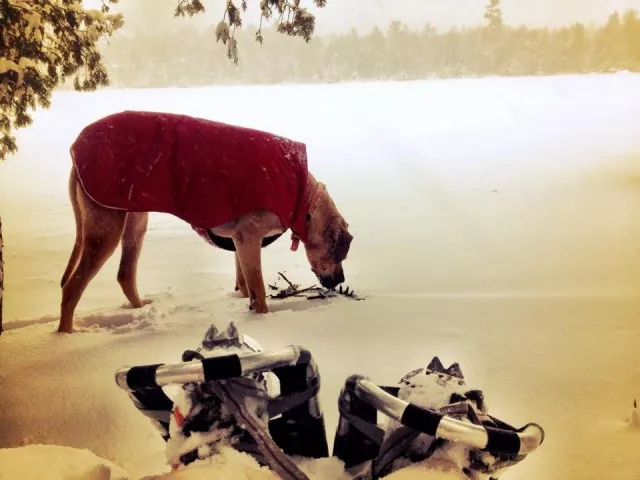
291, 304
297, 304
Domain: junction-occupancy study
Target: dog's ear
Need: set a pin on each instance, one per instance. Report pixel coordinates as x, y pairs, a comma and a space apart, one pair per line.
341, 246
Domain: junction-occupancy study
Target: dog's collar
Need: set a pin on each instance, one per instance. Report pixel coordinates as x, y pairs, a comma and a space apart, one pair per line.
311, 208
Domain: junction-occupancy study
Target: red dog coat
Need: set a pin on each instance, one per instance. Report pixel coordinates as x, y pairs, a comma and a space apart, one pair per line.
206, 173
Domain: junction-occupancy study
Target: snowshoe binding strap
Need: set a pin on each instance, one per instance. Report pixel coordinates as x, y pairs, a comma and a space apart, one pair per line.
275, 458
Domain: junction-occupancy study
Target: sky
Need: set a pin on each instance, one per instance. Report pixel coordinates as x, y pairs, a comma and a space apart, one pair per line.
341, 15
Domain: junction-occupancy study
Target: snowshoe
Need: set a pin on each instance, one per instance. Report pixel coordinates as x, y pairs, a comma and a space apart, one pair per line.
228, 394
433, 418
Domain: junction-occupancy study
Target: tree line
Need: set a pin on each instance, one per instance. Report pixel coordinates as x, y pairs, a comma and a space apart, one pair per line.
192, 58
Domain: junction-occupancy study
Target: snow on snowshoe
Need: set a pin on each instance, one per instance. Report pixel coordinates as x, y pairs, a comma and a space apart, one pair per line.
432, 418
228, 395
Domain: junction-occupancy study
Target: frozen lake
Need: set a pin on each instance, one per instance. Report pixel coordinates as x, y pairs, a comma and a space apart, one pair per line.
496, 223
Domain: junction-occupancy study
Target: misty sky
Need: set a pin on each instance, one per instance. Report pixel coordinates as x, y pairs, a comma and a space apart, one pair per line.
341, 15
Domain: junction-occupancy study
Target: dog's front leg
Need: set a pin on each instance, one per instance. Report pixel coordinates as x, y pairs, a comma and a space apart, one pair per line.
248, 255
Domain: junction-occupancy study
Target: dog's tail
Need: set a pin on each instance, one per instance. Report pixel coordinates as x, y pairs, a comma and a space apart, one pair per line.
77, 247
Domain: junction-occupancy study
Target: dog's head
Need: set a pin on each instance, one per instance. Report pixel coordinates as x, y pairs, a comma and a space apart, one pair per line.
328, 241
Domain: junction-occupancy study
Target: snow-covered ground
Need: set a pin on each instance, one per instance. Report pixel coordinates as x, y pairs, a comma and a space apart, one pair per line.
496, 223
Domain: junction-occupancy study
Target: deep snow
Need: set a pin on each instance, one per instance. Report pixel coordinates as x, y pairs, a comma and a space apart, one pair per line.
496, 223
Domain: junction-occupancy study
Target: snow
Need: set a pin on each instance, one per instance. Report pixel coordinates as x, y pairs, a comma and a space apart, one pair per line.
95, 15
496, 224
22, 5
634, 421
34, 20
55, 462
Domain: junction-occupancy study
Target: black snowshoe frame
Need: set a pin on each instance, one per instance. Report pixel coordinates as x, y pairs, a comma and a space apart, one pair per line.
359, 438
296, 421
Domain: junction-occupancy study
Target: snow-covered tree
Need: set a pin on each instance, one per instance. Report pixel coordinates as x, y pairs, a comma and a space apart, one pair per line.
493, 15
293, 19
42, 43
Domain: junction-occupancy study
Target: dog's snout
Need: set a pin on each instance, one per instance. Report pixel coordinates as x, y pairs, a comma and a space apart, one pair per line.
332, 281
328, 282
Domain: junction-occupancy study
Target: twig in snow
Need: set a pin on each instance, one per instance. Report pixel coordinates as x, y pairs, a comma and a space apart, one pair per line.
287, 280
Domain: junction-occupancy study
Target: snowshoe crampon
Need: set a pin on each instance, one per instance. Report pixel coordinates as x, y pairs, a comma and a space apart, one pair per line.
224, 397
432, 418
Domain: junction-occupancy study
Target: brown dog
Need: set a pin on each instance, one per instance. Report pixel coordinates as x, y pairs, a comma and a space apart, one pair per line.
239, 188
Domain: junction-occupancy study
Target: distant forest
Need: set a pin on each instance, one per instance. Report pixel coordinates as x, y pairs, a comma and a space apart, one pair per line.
190, 58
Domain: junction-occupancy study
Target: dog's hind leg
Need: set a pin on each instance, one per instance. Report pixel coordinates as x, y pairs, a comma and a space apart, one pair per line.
77, 246
132, 239
241, 283
101, 231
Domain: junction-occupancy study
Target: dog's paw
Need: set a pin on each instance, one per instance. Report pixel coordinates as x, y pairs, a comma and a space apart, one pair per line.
137, 304
143, 302
242, 291
258, 307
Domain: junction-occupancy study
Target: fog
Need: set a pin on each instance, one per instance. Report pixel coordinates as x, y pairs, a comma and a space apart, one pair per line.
339, 16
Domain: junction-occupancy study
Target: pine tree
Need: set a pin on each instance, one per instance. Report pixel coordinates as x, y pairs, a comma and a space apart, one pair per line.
493, 15
494, 49
577, 52
610, 48
42, 44
631, 39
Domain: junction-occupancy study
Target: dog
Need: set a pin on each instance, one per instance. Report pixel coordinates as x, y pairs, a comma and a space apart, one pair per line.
239, 188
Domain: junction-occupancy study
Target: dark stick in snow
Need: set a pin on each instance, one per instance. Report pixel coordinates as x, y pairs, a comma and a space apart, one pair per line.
293, 287
294, 290
292, 293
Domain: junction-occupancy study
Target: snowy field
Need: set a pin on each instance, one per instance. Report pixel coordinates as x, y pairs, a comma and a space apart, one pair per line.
496, 223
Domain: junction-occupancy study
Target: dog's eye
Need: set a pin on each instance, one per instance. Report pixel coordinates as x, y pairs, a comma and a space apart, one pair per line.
308, 217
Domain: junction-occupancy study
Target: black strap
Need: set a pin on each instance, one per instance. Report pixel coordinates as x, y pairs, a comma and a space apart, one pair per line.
160, 415
502, 441
373, 432
226, 243
421, 419
142, 377
394, 447
286, 403
221, 368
